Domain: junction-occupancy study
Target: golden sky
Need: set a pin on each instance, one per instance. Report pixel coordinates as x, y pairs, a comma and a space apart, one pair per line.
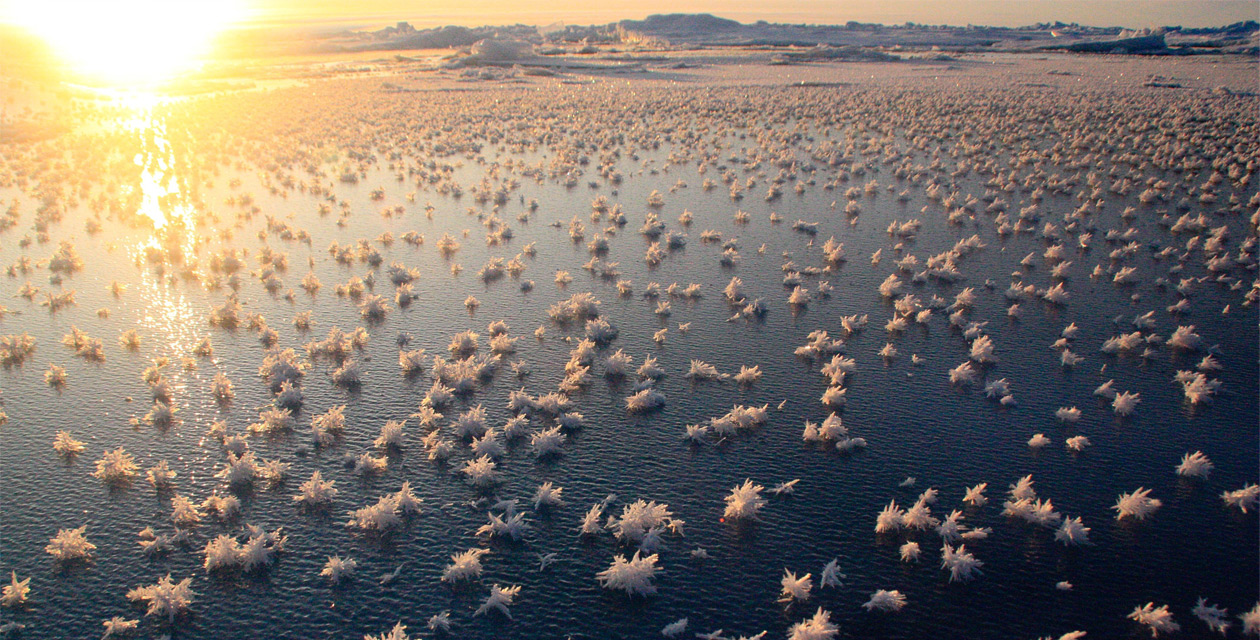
126, 42
1129, 13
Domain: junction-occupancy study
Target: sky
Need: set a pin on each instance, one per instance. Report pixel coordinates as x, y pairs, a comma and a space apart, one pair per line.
428, 13
1128, 13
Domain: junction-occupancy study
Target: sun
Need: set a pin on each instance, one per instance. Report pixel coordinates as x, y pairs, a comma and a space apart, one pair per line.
126, 43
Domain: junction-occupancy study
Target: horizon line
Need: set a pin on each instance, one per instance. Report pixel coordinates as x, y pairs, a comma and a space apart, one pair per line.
443, 19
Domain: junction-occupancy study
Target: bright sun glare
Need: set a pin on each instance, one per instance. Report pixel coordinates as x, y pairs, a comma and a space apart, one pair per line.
127, 43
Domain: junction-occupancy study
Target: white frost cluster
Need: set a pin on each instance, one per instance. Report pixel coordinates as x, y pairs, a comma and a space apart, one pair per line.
633, 576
